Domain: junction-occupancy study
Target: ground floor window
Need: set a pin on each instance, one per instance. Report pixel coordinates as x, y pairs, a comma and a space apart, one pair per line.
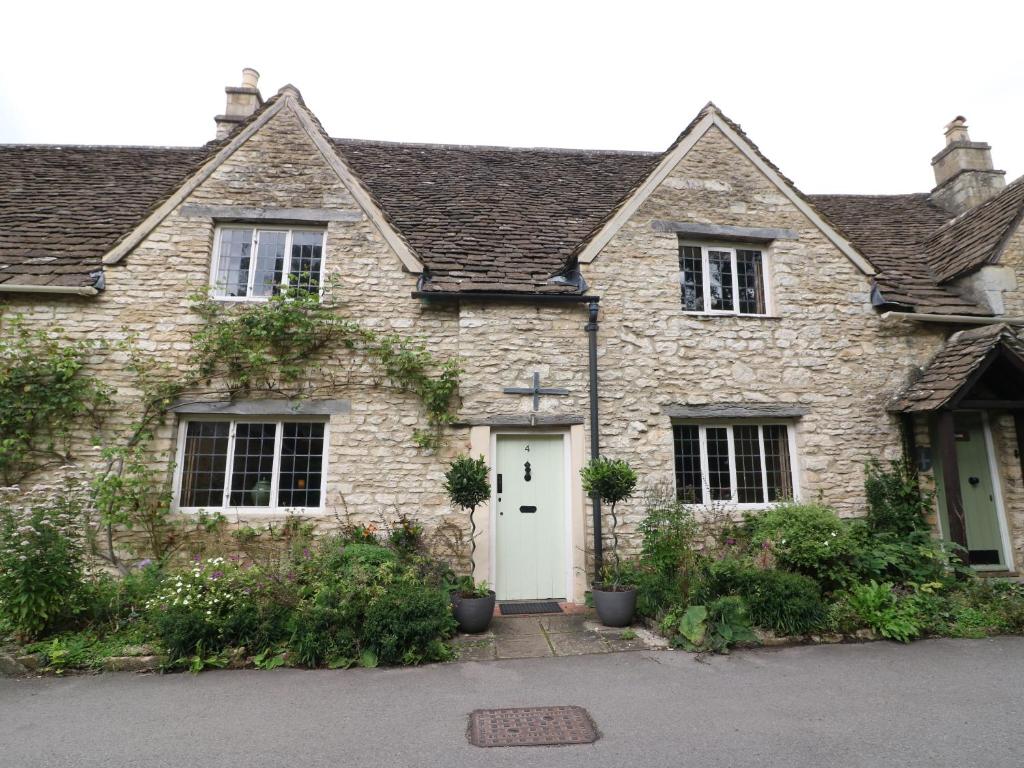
251, 463
742, 464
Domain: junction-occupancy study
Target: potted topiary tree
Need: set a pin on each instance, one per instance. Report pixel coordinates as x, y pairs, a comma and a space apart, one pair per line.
612, 480
468, 486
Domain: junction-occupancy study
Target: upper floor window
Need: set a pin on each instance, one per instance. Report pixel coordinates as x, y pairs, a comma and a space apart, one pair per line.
717, 279
748, 465
257, 263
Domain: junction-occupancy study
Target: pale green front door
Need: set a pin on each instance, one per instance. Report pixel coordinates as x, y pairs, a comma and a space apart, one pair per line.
531, 517
984, 539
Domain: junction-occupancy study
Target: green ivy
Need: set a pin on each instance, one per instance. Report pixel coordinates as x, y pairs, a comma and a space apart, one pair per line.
272, 346
44, 394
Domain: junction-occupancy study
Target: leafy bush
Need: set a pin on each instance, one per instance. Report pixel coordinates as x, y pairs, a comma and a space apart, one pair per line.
670, 556
405, 534
916, 557
408, 624
809, 539
41, 567
784, 602
715, 627
895, 501
882, 610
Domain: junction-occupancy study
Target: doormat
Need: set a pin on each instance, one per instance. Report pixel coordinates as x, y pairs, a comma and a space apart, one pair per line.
531, 727
533, 606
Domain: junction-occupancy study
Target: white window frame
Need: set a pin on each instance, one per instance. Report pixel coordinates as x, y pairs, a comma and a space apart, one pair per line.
216, 289
733, 503
250, 511
731, 248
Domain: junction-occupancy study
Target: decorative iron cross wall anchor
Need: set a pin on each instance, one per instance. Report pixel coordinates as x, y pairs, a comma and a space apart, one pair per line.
536, 390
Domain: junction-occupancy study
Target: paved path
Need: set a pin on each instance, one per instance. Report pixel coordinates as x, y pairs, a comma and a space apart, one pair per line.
531, 637
934, 703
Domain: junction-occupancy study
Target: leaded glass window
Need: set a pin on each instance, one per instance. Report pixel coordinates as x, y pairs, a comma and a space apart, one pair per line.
258, 263
258, 464
721, 280
744, 464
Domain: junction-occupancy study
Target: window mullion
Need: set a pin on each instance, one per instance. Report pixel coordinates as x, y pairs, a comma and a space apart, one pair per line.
705, 265
276, 471
764, 461
705, 476
734, 259
734, 494
286, 263
229, 466
254, 251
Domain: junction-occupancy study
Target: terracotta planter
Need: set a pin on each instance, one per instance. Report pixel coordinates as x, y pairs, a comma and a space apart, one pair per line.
474, 614
615, 608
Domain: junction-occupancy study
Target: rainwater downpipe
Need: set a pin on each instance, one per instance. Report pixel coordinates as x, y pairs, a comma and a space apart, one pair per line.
595, 433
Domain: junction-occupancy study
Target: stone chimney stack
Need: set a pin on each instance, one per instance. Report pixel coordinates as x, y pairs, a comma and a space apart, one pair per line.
963, 171
242, 101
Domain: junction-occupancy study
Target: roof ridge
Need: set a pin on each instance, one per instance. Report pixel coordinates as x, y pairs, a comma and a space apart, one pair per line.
16, 145
500, 147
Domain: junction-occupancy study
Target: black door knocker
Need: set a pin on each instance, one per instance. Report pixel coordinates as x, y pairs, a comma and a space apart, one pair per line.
526, 477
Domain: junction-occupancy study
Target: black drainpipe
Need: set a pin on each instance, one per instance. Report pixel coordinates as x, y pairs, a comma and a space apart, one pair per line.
595, 435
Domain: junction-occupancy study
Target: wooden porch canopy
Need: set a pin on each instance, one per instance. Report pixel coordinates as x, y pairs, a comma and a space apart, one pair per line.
979, 369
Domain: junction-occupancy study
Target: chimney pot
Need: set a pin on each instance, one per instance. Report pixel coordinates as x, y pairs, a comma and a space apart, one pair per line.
964, 176
250, 77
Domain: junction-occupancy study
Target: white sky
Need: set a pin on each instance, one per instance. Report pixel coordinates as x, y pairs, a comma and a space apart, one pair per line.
844, 98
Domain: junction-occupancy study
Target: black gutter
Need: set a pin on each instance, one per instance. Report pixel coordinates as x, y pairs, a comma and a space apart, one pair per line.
595, 435
508, 298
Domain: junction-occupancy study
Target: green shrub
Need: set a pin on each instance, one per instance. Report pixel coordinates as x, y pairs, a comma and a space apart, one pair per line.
41, 565
408, 625
879, 608
715, 627
405, 535
895, 502
784, 602
670, 556
916, 557
809, 539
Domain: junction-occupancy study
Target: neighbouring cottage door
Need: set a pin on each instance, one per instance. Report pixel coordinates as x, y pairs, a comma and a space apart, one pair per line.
531, 517
984, 541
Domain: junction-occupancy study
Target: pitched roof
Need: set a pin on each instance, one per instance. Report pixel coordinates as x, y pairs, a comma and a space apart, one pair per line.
494, 218
63, 207
890, 230
977, 237
953, 367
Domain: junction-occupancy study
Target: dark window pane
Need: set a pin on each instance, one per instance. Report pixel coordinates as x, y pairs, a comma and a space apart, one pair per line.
749, 488
269, 262
253, 466
689, 488
307, 255
302, 452
777, 464
691, 275
720, 279
719, 482
750, 275
234, 257
204, 464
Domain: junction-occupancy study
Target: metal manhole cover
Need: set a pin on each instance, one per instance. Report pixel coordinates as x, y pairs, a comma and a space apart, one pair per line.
531, 727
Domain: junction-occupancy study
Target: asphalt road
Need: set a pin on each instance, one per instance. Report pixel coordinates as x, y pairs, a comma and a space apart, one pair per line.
935, 703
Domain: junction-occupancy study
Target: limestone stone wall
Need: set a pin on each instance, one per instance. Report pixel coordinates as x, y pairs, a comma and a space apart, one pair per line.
374, 466
824, 348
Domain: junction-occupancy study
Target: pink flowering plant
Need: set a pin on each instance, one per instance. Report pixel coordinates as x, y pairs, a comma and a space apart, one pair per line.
41, 558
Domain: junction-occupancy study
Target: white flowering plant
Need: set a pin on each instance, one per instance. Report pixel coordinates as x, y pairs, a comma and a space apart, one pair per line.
41, 558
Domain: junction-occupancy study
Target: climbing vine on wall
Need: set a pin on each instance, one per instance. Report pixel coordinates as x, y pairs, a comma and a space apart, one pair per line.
45, 393
281, 346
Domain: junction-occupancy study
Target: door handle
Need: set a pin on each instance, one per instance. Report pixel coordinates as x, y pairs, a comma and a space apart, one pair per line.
527, 510
973, 480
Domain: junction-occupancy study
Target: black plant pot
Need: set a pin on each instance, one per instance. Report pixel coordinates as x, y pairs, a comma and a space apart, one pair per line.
615, 608
474, 614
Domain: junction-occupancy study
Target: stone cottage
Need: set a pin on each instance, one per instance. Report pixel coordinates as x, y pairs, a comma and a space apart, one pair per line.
736, 340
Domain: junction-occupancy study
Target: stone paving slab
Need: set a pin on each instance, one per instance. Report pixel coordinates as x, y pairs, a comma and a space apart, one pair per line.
577, 643
530, 647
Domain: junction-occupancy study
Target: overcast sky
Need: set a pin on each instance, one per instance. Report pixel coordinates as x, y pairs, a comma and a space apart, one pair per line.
844, 98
